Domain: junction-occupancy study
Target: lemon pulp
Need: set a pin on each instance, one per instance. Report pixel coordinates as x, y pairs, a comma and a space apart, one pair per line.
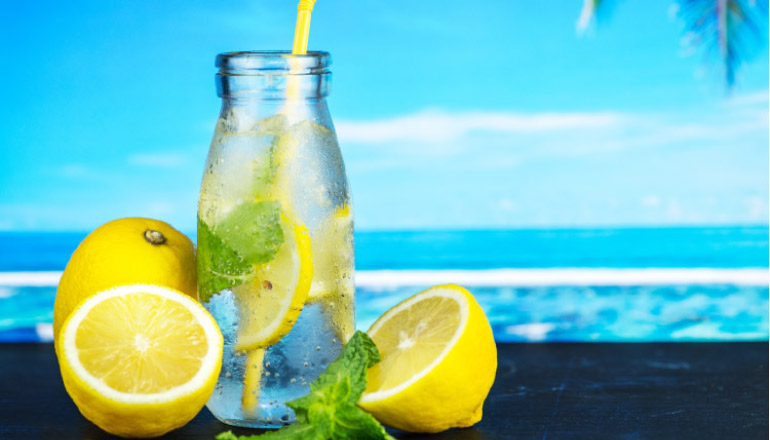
119, 253
127, 345
438, 362
413, 338
270, 304
140, 360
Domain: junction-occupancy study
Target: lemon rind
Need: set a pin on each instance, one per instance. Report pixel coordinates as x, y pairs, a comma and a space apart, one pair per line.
209, 362
452, 291
302, 282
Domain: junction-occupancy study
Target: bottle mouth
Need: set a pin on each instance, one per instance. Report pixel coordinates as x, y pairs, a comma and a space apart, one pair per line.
272, 63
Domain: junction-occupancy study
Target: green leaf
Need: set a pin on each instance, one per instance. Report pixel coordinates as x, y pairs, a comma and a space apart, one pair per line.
253, 230
353, 423
350, 368
219, 267
291, 432
330, 411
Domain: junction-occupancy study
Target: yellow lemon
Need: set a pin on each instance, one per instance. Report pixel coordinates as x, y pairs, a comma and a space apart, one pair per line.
126, 251
438, 362
140, 360
270, 304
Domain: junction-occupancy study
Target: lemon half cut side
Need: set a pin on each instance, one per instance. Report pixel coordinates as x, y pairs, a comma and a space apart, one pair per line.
439, 361
140, 360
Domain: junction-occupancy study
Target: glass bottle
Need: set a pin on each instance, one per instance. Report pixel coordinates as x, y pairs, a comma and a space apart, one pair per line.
275, 234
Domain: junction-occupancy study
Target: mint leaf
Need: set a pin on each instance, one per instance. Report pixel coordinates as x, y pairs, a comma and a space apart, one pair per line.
292, 432
345, 378
253, 230
356, 424
329, 412
219, 267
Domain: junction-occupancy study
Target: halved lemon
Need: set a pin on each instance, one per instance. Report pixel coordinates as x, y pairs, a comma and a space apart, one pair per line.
438, 362
140, 360
271, 302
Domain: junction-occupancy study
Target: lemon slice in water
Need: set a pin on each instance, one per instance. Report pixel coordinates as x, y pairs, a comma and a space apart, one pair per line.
271, 302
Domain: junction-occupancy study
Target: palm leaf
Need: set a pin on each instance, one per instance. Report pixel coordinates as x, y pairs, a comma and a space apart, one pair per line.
731, 31
591, 12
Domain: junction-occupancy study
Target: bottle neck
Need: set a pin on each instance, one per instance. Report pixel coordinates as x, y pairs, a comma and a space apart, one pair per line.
273, 76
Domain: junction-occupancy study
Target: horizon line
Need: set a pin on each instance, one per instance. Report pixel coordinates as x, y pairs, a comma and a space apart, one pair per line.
477, 228
507, 277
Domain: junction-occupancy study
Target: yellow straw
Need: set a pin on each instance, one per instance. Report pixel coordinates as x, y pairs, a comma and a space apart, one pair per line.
253, 368
252, 376
302, 30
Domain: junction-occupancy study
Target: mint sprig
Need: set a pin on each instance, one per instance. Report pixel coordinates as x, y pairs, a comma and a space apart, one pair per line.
253, 230
219, 267
251, 234
329, 412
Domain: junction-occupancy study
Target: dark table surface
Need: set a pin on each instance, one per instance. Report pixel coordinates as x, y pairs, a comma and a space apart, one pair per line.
580, 390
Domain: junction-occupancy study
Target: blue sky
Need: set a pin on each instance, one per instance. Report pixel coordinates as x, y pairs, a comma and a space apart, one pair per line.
451, 114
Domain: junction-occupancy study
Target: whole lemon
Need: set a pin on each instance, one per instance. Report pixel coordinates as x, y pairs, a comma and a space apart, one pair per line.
126, 251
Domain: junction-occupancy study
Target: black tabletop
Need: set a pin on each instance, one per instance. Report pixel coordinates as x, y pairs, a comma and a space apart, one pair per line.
557, 391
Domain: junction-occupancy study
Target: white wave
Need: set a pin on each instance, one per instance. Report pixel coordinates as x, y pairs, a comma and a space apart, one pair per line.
44, 331
502, 277
562, 276
29, 279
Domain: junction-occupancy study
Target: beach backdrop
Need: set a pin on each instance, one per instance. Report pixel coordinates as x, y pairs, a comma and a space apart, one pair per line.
592, 171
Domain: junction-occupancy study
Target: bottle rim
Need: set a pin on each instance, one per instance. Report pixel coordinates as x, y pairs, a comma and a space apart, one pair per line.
272, 63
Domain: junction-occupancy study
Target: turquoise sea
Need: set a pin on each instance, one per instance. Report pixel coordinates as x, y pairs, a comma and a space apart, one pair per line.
633, 284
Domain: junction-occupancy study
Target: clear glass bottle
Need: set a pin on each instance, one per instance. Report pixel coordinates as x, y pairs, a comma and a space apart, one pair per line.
275, 234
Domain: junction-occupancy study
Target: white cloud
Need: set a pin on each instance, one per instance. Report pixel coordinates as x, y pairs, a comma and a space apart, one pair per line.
757, 208
160, 208
160, 160
650, 201
760, 97
441, 126
674, 210
82, 172
73, 170
506, 205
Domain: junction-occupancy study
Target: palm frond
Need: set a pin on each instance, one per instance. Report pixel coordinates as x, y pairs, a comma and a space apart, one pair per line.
731, 31
590, 13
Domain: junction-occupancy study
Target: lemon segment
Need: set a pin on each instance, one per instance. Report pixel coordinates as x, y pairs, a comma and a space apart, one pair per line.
438, 362
270, 304
140, 360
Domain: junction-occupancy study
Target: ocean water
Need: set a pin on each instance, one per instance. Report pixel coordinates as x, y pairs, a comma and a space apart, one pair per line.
645, 284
